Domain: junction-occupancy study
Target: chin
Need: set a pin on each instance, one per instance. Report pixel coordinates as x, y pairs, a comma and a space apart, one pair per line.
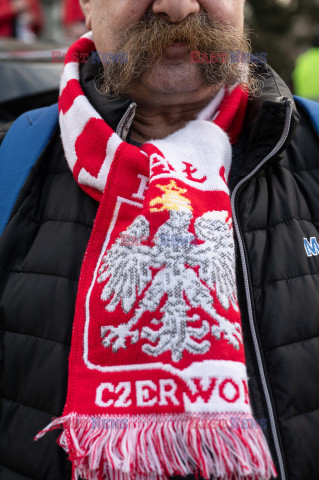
175, 79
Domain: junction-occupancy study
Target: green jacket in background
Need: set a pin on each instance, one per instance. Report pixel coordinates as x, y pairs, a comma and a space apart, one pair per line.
306, 74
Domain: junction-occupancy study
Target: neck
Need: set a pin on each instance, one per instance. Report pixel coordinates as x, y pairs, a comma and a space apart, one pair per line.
159, 115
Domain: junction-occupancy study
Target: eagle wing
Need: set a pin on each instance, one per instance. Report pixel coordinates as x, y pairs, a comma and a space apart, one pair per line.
216, 257
125, 267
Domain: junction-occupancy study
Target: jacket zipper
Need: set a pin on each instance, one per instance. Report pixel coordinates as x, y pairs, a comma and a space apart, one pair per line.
126, 121
247, 284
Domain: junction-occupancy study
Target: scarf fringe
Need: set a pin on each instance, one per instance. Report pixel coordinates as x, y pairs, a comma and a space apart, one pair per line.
164, 445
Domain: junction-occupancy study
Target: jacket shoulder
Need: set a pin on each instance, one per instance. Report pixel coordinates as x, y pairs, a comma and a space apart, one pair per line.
33, 127
308, 109
303, 151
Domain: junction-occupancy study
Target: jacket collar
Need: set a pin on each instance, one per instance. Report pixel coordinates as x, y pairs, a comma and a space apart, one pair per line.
118, 112
273, 88
270, 124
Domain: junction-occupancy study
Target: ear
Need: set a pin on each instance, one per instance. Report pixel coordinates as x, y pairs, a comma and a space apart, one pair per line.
86, 7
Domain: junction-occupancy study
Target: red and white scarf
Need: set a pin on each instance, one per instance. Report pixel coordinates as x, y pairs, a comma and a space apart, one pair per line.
157, 376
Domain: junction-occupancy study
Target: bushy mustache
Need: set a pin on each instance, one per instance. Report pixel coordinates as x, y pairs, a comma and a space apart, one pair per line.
144, 44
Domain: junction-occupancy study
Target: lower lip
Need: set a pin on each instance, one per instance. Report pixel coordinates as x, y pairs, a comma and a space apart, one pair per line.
177, 47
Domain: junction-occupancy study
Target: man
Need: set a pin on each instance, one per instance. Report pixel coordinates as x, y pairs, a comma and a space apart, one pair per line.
136, 163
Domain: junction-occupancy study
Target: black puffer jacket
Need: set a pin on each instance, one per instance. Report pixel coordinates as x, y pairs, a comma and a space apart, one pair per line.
275, 199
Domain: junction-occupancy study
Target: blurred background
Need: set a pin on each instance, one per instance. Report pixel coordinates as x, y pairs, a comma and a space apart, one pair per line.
288, 31
35, 34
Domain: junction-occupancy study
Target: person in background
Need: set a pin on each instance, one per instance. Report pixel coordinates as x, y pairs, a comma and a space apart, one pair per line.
306, 73
22, 19
73, 19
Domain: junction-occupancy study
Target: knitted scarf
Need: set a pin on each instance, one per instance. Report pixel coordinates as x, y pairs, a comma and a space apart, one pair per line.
157, 377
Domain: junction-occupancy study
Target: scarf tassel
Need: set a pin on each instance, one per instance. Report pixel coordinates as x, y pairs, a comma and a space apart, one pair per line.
156, 448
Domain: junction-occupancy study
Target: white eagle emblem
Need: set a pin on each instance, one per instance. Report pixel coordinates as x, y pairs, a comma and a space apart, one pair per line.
187, 272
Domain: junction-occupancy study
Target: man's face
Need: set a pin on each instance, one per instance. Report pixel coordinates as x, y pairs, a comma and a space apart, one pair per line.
159, 56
